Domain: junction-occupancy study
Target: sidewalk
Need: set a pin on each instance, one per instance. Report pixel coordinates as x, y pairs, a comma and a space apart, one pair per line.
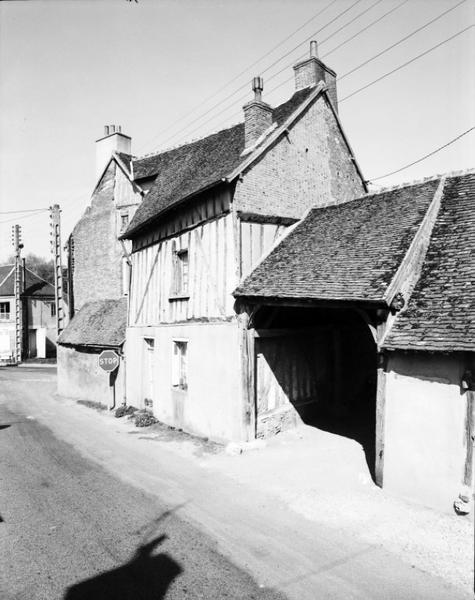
295, 523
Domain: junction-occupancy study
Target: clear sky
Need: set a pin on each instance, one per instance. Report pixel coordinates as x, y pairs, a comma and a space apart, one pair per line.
67, 68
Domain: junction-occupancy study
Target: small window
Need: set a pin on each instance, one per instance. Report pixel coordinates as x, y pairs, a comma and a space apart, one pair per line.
4, 311
124, 221
180, 272
179, 365
53, 309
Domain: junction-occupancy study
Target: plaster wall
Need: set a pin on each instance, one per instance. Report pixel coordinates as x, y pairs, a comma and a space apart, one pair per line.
425, 447
81, 378
212, 404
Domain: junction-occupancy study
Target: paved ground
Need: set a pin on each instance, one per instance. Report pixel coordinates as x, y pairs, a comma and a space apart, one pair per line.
72, 530
83, 495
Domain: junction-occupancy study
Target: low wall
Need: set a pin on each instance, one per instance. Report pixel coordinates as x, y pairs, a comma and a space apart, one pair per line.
212, 405
81, 378
425, 415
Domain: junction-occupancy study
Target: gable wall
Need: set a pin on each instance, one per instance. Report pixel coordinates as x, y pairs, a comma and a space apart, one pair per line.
97, 254
311, 166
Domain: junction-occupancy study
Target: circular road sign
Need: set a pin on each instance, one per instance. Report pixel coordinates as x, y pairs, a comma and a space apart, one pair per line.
108, 360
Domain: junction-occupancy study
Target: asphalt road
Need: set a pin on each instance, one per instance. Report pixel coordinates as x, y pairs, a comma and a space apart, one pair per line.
93, 509
71, 530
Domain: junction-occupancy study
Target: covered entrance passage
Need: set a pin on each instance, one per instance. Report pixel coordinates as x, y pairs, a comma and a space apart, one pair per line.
316, 366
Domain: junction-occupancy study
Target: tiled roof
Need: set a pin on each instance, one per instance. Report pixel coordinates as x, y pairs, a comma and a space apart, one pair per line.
347, 252
440, 315
190, 168
98, 323
125, 158
35, 286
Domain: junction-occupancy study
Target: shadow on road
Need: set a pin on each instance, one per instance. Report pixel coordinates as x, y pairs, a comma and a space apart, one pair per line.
144, 577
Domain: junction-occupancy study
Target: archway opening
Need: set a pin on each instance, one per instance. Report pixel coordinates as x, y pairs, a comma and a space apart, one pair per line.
317, 366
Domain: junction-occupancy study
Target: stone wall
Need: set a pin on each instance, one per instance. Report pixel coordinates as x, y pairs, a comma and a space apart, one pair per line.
310, 166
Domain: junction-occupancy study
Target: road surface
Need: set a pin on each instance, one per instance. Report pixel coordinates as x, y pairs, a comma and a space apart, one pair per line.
91, 511
70, 530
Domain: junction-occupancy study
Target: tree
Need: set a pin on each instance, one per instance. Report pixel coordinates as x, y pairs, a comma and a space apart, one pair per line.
41, 266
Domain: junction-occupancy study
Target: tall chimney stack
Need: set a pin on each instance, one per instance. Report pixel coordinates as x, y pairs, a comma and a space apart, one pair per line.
257, 114
112, 141
312, 70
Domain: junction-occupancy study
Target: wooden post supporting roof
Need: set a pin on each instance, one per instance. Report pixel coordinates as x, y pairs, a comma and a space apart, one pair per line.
247, 353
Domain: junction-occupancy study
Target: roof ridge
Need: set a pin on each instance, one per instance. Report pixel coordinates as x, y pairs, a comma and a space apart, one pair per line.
215, 132
187, 143
396, 186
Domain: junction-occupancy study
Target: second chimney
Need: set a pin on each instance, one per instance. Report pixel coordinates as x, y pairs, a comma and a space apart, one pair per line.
257, 114
311, 71
112, 141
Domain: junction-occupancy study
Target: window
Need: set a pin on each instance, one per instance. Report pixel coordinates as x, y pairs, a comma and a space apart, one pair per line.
53, 309
180, 272
124, 221
179, 365
4, 311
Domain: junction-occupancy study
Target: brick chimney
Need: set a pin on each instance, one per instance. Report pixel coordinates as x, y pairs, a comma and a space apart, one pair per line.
311, 71
112, 141
257, 114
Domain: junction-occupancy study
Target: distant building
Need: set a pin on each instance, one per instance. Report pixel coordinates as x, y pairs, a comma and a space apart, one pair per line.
38, 310
99, 273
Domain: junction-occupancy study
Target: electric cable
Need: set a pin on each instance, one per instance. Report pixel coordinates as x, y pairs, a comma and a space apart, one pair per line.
415, 162
223, 87
245, 85
406, 63
400, 41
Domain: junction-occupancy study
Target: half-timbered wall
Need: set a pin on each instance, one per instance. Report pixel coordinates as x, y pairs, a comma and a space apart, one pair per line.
255, 240
211, 276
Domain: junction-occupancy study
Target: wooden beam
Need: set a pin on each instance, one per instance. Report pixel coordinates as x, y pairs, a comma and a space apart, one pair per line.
247, 352
469, 438
380, 417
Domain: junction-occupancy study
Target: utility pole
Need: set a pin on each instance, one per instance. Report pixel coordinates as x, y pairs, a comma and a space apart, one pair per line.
17, 245
55, 224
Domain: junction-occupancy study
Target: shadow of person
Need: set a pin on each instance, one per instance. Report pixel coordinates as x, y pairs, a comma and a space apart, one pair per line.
144, 577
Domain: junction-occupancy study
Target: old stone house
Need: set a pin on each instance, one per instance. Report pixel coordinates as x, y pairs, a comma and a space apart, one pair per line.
362, 323
37, 316
211, 210
99, 272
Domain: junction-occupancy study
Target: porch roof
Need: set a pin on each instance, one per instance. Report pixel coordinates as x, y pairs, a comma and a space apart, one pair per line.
97, 323
345, 252
440, 314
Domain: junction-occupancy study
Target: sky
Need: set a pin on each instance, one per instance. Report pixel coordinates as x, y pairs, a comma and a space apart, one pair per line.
169, 71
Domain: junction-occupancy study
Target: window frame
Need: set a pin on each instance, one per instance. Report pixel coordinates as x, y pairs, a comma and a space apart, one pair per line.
180, 283
180, 364
7, 313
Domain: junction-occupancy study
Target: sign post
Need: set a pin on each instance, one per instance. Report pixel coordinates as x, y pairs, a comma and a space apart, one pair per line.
108, 362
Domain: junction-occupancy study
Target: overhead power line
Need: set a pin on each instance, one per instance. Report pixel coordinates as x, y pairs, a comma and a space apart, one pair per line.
22, 218
12, 212
245, 85
415, 162
243, 72
406, 63
401, 40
